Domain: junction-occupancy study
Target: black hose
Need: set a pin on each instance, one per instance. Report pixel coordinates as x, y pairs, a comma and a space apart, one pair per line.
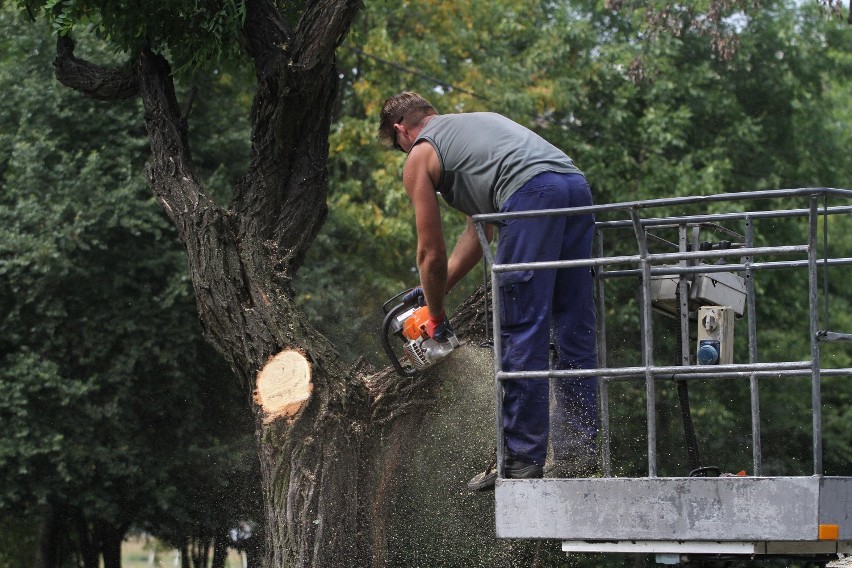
688, 427
683, 397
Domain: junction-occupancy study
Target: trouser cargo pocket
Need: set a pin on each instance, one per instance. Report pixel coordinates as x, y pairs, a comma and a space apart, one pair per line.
517, 302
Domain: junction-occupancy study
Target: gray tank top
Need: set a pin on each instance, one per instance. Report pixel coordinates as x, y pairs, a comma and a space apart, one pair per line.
485, 158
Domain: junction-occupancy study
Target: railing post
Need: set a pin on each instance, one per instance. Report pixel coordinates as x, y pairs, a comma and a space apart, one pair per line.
603, 384
813, 307
647, 342
754, 384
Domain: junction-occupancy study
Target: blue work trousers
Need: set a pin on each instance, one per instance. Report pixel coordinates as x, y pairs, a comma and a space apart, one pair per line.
538, 307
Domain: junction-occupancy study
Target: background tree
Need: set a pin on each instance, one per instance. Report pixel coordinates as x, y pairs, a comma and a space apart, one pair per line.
100, 335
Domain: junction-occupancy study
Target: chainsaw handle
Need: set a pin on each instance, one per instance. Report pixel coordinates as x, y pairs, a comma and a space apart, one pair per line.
393, 303
394, 359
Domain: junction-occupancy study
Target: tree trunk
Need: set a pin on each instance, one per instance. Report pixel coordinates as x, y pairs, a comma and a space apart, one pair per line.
110, 539
193, 552
252, 548
47, 539
87, 541
220, 549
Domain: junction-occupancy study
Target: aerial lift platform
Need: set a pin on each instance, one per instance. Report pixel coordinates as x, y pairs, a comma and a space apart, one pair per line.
707, 285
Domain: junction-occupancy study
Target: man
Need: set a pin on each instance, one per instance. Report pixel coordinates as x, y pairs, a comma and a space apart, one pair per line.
485, 163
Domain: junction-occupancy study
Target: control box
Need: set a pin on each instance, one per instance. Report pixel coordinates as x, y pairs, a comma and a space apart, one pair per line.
714, 289
715, 335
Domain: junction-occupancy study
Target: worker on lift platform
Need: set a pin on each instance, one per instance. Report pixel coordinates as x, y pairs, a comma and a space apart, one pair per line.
485, 163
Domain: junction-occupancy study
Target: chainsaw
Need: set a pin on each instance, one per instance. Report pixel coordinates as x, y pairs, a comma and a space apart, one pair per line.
407, 321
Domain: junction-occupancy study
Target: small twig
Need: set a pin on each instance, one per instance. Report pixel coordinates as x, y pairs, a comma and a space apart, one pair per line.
188, 109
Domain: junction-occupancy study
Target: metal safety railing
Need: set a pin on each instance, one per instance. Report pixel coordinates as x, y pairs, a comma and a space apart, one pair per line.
645, 264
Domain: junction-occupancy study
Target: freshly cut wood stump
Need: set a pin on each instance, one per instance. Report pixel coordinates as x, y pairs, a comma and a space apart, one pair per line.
284, 386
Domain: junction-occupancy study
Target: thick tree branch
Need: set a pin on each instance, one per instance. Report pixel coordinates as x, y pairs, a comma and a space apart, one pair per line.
322, 28
288, 174
95, 81
266, 35
229, 275
170, 172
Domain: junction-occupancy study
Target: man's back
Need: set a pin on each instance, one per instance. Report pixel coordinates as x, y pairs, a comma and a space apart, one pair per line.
485, 158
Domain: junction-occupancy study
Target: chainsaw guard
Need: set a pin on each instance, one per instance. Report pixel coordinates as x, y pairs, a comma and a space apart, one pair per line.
390, 319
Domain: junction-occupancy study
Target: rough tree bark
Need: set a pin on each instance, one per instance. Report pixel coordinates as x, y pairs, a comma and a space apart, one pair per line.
330, 457
47, 538
111, 538
99, 540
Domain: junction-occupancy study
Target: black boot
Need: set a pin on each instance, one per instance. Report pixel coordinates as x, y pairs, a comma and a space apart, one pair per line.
512, 469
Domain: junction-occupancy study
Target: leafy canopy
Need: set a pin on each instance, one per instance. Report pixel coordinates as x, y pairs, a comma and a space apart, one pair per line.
193, 32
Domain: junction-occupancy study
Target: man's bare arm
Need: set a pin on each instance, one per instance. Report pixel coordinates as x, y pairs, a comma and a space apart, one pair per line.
422, 170
466, 253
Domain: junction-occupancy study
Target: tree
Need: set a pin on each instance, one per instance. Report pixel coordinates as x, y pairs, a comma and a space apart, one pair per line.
243, 257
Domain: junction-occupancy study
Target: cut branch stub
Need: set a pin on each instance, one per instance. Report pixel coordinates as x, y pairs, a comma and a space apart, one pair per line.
284, 385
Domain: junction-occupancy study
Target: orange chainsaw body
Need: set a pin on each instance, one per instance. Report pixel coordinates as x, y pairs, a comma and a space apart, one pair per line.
415, 325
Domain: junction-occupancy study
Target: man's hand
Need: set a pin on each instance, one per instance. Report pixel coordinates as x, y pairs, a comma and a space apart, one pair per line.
415, 296
438, 328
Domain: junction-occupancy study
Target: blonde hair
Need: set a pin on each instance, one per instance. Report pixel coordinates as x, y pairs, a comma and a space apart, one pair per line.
407, 108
